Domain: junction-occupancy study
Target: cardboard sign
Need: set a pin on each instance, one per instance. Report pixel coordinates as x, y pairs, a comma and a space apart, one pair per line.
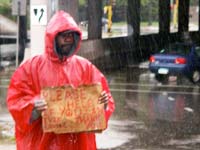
73, 110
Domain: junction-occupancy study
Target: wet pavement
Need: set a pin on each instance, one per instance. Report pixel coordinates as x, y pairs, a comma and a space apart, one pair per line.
149, 115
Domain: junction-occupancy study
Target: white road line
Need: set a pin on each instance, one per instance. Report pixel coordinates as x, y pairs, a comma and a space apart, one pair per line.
150, 85
150, 91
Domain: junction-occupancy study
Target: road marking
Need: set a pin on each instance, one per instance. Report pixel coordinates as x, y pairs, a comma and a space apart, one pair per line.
150, 91
155, 85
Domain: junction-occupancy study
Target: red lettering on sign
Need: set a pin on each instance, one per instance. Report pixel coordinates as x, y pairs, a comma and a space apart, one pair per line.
68, 113
67, 94
59, 94
73, 110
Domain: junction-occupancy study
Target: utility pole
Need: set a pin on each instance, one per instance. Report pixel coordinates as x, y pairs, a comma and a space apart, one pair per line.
18, 9
40, 10
22, 37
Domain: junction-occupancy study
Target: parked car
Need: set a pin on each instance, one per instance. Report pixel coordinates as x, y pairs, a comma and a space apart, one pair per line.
7, 52
84, 24
177, 59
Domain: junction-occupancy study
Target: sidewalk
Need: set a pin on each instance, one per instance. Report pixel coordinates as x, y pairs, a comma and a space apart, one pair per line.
7, 130
7, 147
108, 139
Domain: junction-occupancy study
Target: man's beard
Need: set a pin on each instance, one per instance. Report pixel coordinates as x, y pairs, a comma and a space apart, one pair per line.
65, 49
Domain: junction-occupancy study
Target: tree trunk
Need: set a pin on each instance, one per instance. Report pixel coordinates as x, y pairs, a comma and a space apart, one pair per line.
94, 19
71, 7
183, 16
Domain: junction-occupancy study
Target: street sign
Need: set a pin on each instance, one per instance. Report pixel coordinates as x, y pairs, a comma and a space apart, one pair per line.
38, 14
19, 7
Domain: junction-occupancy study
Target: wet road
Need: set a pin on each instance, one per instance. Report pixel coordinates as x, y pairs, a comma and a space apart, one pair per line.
149, 115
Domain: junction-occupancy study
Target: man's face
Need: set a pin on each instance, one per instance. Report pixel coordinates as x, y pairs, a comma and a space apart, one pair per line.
65, 41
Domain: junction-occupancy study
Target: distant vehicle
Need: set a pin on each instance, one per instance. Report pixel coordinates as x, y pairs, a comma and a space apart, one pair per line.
177, 59
7, 52
104, 22
7, 55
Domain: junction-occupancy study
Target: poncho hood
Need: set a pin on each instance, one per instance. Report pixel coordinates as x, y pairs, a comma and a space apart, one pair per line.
61, 21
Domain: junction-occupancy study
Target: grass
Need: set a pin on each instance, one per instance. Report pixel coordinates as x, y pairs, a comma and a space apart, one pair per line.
6, 139
144, 24
5, 2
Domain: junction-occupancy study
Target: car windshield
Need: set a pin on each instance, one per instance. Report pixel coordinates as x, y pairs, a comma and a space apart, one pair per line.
177, 48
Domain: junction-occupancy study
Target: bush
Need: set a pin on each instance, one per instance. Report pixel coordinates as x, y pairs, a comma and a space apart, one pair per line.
6, 9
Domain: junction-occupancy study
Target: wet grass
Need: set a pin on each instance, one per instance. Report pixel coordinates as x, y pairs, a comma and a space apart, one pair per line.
6, 139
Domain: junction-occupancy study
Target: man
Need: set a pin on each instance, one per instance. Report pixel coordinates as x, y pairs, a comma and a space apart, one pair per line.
58, 66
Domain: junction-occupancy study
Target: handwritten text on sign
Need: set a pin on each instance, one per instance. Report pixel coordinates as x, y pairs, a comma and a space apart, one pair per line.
73, 110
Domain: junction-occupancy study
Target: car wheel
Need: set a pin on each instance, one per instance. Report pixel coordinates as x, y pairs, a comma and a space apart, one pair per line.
195, 76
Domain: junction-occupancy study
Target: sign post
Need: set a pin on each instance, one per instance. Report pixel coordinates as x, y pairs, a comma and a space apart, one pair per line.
18, 9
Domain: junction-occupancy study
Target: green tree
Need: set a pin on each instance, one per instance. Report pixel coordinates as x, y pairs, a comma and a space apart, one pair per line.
6, 9
149, 10
82, 2
194, 2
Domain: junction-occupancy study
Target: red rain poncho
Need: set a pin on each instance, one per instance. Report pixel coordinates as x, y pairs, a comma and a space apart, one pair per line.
48, 70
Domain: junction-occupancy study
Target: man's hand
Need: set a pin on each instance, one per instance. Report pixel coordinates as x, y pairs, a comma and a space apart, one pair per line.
103, 99
40, 105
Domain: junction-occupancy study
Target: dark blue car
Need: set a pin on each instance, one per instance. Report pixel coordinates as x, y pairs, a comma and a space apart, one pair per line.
177, 59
